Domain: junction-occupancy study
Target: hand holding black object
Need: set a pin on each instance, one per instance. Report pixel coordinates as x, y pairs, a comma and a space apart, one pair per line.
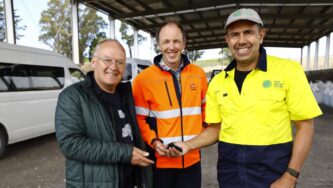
174, 146
159, 147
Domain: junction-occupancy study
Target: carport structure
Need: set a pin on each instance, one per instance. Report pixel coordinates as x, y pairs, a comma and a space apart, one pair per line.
290, 23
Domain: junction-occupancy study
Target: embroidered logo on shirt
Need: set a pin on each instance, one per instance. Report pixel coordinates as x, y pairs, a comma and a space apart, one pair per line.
121, 114
193, 86
127, 131
266, 83
278, 84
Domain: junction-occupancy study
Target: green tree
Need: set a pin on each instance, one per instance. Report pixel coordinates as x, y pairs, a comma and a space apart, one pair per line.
57, 32
129, 38
2, 23
17, 21
156, 48
195, 54
99, 37
226, 56
56, 27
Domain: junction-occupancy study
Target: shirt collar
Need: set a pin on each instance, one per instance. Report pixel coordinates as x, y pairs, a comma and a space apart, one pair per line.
262, 63
159, 59
164, 66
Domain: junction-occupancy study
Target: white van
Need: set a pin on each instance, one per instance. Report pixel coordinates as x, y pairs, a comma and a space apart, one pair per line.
30, 82
133, 67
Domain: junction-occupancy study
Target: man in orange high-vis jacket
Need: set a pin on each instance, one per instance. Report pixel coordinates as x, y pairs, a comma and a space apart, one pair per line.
170, 103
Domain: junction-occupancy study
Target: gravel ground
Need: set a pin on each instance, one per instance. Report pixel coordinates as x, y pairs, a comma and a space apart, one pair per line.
38, 163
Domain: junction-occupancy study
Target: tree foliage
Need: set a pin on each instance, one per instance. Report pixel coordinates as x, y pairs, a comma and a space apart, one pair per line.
156, 48
2, 23
226, 56
99, 37
56, 29
17, 20
129, 38
195, 54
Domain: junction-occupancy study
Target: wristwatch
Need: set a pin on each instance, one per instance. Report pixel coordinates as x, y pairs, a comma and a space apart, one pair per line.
293, 172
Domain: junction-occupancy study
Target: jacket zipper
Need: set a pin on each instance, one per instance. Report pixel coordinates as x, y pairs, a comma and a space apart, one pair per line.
179, 98
181, 118
167, 89
115, 136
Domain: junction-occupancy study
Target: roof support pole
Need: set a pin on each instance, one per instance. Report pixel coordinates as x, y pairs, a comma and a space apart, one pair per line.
75, 31
301, 60
327, 52
316, 55
307, 67
9, 16
112, 28
136, 49
152, 50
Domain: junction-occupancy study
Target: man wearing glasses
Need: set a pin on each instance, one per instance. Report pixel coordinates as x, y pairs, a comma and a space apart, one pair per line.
96, 127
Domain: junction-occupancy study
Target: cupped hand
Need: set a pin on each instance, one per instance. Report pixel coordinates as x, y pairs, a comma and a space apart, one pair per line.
160, 148
140, 158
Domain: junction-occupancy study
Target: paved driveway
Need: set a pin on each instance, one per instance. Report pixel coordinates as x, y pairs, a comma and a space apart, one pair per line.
39, 163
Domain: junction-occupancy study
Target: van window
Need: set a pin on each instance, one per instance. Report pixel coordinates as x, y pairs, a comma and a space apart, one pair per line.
18, 77
4, 81
76, 75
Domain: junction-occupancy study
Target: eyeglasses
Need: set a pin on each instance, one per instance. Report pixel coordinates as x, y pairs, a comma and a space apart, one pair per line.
108, 62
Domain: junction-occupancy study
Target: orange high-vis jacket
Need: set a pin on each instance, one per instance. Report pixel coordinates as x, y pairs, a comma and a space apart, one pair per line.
165, 112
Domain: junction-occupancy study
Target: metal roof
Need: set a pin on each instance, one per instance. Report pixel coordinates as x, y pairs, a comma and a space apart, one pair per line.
289, 23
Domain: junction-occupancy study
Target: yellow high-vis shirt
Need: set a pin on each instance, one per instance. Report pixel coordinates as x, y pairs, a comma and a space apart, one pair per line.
270, 99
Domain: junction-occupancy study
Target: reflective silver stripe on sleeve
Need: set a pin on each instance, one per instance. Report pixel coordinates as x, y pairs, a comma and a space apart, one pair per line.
141, 111
166, 114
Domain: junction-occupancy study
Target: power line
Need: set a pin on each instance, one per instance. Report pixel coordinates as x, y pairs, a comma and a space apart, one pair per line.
30, 15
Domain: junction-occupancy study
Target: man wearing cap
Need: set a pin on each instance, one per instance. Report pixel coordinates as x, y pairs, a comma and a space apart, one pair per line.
251, 107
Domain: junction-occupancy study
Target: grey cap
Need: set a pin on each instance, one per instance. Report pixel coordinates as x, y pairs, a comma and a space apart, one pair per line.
244, 14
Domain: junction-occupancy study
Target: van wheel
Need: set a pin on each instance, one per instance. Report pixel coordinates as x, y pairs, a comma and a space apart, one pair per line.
3, 143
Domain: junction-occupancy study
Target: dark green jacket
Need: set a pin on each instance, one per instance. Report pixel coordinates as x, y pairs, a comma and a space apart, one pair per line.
86, 136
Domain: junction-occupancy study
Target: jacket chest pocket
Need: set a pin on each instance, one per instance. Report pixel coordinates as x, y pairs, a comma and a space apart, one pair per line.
224, 101
271, 96
270, 106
